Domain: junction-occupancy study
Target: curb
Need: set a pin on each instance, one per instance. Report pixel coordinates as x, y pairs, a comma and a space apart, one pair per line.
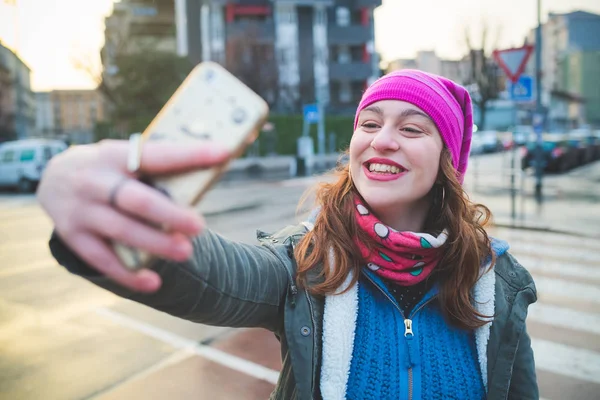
547, 229
232, 209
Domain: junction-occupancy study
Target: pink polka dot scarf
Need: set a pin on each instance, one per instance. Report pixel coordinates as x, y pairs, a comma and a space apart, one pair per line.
405, 258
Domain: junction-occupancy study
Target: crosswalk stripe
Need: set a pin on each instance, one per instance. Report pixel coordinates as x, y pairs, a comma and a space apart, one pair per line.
548, 238
567, 360
574, 290
566, 269
564, 317
549, 252
228, 360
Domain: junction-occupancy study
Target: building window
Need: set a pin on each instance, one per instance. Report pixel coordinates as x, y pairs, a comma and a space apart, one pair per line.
356, 53
286, 14
345, 94
343, 55
320, 16
357, 91
342, 16
217, 26
321, 55
144, 11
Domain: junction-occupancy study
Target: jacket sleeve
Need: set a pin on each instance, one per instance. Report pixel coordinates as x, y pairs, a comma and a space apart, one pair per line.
523, 384
224, 283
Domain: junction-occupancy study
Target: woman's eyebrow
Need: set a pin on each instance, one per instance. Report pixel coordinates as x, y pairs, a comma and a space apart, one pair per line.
409, 112
374, 109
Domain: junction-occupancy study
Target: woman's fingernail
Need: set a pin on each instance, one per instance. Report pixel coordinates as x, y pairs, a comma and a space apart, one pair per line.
149, 280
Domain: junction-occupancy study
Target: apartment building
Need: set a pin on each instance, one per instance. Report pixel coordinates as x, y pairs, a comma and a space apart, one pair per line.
428, 61
44, 115
135, 26
76, 113
311, 50
570, 69
17, 106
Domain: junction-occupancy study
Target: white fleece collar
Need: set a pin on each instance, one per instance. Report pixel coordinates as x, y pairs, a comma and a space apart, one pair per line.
339, 324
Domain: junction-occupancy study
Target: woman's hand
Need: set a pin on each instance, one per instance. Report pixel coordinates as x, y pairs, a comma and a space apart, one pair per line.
75, 190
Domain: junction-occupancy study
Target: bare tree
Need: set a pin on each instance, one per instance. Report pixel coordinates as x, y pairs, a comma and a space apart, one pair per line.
92, 64
484, 77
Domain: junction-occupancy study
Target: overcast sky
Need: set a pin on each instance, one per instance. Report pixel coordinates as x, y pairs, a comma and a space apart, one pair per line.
52, 33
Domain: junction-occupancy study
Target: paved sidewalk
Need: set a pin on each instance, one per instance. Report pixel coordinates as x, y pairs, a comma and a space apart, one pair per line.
571, 202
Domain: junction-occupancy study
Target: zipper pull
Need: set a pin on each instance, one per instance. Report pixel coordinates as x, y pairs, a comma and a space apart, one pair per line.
408, 328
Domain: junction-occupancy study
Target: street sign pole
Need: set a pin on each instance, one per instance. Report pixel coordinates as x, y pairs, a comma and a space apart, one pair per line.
321, 129
539, 168
513, 62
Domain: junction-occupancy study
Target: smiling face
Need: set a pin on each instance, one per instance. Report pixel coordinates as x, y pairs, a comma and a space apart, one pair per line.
394, 158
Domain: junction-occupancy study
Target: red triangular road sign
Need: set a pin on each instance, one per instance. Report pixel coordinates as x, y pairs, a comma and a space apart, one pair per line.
513, 61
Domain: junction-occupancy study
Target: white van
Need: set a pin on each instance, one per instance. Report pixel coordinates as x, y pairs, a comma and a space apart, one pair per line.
23, 161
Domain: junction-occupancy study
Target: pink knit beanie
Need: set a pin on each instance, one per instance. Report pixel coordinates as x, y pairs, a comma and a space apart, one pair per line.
447, 103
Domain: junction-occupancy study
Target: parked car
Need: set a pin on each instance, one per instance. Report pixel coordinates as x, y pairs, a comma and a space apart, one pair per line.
507, 140
596, 136
490, 140
585, 141
523, 134
23, 161
476, 144
559, 155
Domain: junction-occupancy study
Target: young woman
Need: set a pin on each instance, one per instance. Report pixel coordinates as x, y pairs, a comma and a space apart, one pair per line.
391, 290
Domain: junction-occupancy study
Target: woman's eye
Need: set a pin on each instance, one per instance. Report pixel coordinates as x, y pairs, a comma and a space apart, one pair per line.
412, 130
369, 125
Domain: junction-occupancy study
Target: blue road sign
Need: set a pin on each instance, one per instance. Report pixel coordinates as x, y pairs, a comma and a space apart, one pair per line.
522, 90
311, 113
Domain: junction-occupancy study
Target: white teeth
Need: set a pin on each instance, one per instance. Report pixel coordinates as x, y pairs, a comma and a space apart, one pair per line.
374, 167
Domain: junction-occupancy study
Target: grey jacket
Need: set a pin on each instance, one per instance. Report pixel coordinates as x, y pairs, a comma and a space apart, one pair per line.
254, 286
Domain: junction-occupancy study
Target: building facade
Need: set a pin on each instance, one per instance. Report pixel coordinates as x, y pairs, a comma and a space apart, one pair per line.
136, 26
428, 61
76, 113
297, 51
570, 69
44, 115
17, 105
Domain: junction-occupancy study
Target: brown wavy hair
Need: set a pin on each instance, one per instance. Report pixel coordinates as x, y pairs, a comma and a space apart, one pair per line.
458, 270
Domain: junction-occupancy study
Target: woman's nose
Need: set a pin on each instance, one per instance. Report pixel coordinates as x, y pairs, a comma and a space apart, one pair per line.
385, 140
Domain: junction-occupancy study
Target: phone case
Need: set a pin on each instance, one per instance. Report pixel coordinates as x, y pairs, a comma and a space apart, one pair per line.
211, 105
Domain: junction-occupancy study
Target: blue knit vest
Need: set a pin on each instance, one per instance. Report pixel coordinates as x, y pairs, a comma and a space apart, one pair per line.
436, 362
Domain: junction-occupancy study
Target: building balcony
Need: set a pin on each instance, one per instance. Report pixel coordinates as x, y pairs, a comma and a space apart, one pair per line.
352, 71
348, 35
367, 3
266, 3
154, 30
306, 2
262, 32
151, 19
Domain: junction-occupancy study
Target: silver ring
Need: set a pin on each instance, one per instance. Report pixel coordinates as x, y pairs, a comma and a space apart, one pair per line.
112, 197
134, 156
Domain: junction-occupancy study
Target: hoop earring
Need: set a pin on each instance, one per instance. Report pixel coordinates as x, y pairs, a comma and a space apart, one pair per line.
439, 201
443, 197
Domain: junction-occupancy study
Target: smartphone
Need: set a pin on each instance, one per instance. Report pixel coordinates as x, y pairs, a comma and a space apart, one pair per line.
211, 105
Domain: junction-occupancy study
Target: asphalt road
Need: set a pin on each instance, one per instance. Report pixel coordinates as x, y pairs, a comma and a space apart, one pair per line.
62, 338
